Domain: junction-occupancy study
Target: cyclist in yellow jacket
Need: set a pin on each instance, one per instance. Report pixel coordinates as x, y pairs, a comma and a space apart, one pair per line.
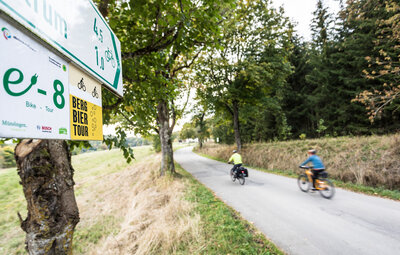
236, 159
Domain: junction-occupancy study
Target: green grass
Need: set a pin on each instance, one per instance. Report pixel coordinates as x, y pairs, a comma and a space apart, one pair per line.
102, 227
86, 166
11, 201
224, 230
381, 192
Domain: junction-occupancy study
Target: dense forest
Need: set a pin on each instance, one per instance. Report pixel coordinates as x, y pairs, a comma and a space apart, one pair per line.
345, 81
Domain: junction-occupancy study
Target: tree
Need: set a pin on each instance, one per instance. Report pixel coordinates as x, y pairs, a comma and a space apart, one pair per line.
321, 90
188, 131
160, 39
250, 61
202, 128
296, 106
384, 67
46, 173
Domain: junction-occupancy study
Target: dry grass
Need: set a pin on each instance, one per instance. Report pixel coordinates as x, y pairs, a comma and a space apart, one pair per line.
372, 161
149, 213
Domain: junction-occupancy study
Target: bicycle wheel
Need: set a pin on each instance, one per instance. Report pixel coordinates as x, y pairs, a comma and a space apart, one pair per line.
233, 176
303, 183
326, 188
241, 179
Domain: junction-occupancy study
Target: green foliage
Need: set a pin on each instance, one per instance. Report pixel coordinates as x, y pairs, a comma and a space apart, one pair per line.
120, 141
160, 40
156, 143
7, 158
321, 128
187, 131
221, 127
250, 66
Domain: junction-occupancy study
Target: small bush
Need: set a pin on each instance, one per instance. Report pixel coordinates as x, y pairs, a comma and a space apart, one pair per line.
7, 159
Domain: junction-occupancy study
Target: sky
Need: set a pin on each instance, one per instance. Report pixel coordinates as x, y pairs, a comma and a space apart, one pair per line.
301, 11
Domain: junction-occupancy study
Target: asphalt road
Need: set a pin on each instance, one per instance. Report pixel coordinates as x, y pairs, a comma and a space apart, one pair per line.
298, 222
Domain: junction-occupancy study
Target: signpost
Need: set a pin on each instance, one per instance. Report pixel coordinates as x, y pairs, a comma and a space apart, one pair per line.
44, 95
34, 88
76, 29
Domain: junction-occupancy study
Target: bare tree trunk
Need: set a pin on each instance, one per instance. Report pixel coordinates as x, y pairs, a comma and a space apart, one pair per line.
236, 124
46, 173
167, 159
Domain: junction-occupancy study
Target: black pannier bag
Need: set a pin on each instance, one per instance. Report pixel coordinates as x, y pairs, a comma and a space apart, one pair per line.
323, 174
246, 173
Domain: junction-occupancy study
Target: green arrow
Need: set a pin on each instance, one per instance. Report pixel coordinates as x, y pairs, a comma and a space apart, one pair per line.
118, 72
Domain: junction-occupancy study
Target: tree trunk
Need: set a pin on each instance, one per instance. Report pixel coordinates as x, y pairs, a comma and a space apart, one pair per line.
202, 126
167, 159
236, 124
44, 167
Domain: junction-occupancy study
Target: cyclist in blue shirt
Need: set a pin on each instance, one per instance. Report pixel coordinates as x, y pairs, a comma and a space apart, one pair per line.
317, 165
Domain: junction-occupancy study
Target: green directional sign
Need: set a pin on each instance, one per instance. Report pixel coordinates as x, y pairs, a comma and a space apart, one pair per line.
76, 29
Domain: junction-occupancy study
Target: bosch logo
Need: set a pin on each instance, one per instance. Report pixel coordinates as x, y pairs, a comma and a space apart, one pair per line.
46, 129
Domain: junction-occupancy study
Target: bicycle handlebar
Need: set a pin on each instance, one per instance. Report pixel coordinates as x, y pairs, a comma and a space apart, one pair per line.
305, 167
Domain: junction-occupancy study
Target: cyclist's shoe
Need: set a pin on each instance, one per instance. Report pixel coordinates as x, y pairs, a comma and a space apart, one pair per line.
313, 189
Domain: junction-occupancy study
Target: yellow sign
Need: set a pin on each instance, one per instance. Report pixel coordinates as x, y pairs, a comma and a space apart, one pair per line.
86, 120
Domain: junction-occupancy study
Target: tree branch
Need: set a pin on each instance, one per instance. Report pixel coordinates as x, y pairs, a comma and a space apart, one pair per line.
160, 44
127, 119
103, 7
187, 65
113, 106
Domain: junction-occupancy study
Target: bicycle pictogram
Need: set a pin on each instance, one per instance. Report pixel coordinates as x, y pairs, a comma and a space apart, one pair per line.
94, 93
110, 57
81, 85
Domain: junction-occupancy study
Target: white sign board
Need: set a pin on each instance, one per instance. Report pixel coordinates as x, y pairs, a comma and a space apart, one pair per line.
77, 30
34, 90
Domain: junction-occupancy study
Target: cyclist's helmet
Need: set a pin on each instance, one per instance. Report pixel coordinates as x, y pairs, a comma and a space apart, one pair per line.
312, 151
234, 151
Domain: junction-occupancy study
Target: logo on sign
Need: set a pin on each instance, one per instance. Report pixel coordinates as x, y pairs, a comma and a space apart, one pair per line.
62, 131
6, 33
44, 129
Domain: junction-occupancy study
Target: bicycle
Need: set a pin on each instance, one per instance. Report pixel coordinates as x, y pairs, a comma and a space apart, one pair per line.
94, 93
322, 183
81, 85
240, 175
110, 57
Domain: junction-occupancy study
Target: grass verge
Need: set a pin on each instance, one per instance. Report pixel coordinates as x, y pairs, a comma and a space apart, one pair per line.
130, 209
90, 170
223, 229
381, 192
